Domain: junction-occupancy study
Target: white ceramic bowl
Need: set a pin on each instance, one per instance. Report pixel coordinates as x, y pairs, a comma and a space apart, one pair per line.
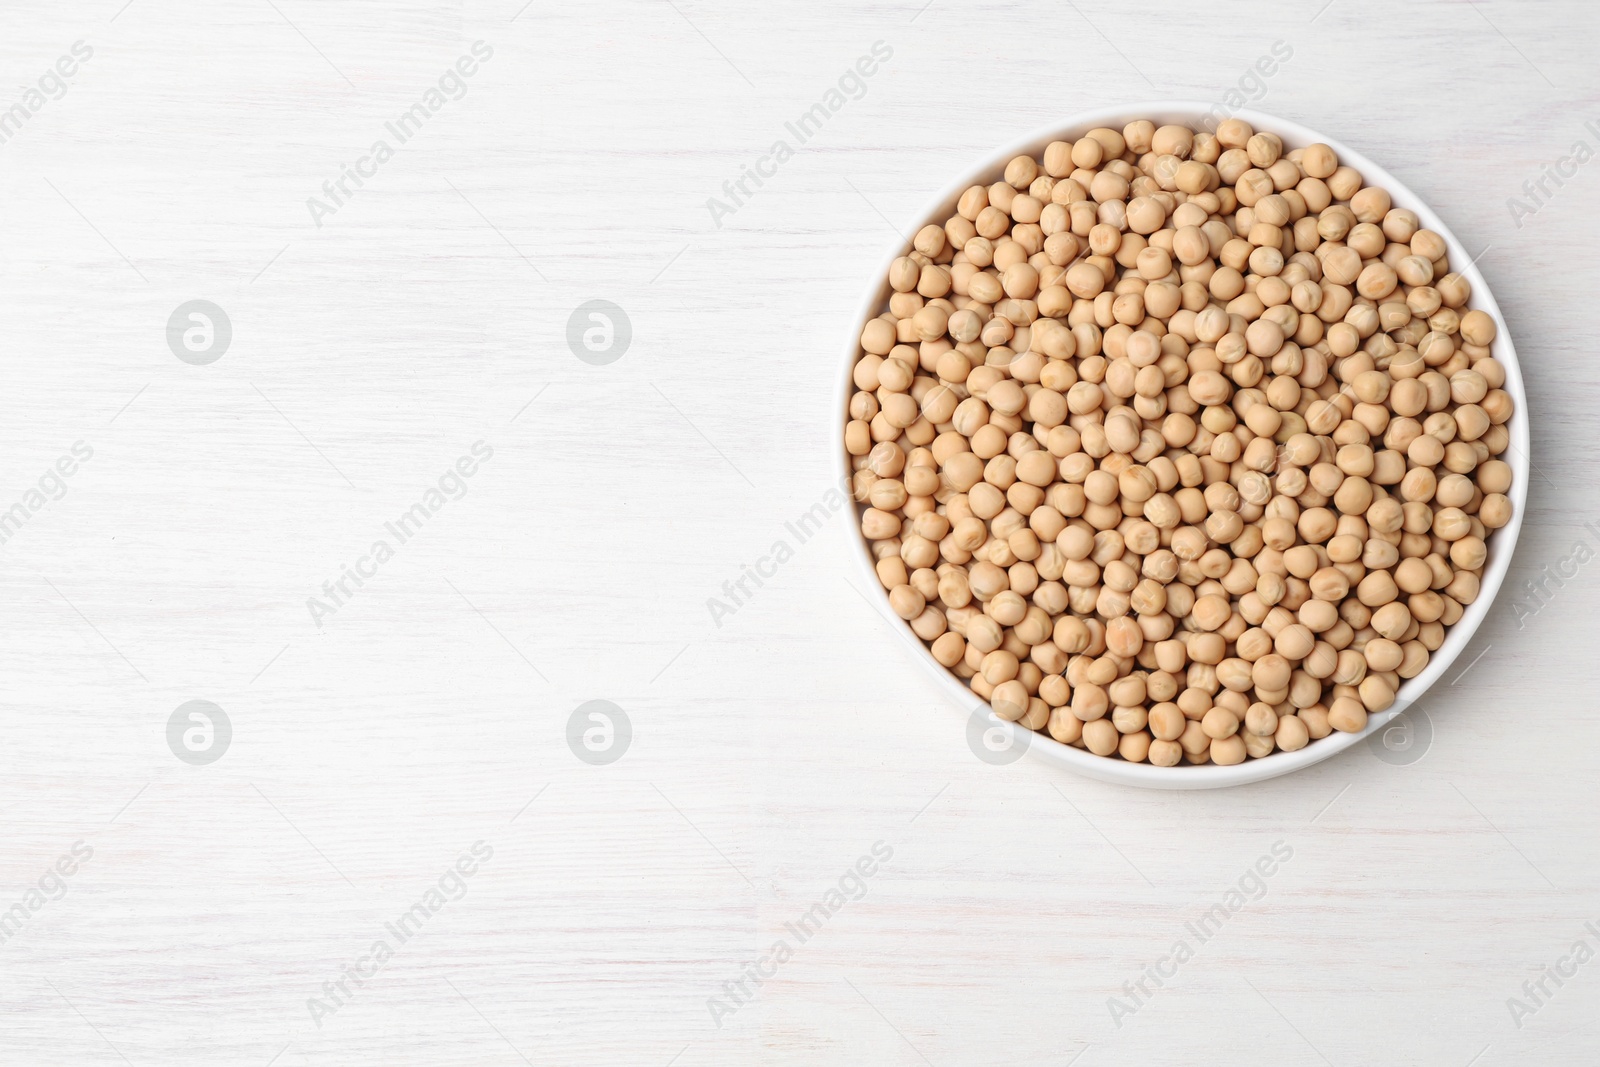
1501, 544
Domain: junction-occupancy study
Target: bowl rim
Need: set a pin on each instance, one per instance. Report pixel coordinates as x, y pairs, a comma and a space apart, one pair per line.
1502, 544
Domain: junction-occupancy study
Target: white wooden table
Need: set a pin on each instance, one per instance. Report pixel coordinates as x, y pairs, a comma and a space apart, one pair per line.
427, 709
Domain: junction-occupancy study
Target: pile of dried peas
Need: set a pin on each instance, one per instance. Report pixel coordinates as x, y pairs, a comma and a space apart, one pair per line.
1179, 446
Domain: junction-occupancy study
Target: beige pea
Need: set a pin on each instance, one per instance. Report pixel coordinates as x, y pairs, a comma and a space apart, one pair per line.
964, 326
999, 666
1494, 476
1124, 637
1100, 736
983, 635
887, 494
1210, 612
1259, 745
879, 525
1009, 700
929, 625
1194, 177
1065, 726
1414, 270
1191, 246
1391, 620
930, 240
1145, 214
1376, 280
1137, 484
1122, 434
1319, 161
1167, 721
1382, 654
1294, 642
1291, 734
1495, 511
949, 648
1219, 722
1452, 524
1089, 702
904, 273
1209, 387
1478, 328
908, 602
1264, 338
1271, 672
1007, 607
1172, 140
1228, 751
1261, 720
1469, 553
1472, 422
1134, 747
1347, 715
1020, 281
1083, 279
1426, 451
1007, 397
1376, 694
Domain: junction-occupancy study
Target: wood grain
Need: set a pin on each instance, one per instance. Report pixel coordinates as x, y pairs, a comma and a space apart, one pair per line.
430, 312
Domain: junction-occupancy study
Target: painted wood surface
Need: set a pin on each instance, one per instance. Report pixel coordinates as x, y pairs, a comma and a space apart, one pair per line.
775, 756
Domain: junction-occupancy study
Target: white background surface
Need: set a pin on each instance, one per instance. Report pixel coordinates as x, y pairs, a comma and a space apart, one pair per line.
770, 753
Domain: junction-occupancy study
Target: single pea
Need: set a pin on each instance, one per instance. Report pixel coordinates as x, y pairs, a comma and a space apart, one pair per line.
1100, 736
1228, 751
1291, 734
